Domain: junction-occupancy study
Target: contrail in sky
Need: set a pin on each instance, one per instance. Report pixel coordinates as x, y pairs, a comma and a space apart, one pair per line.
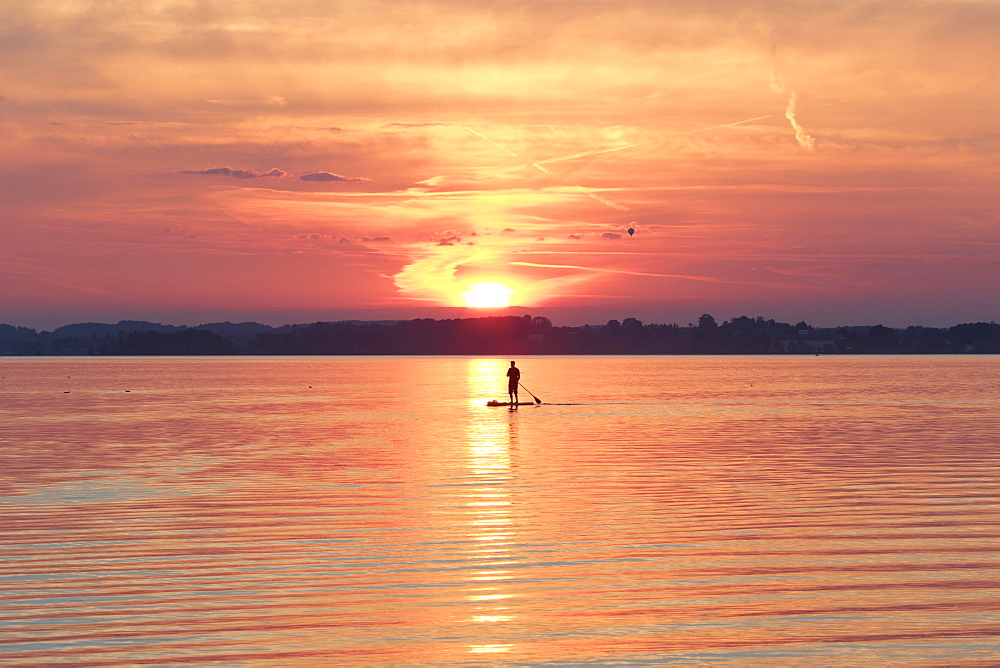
729, 125
538, 165
584, 154
603, 200
485, 138
707, 279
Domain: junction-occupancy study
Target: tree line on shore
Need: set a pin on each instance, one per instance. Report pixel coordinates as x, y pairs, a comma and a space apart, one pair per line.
498, 335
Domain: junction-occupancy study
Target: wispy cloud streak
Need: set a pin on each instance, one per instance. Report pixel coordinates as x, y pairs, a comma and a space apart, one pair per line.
487, 139
623, 272
804, 140
729, 125
584, 154
778, 86
538, 165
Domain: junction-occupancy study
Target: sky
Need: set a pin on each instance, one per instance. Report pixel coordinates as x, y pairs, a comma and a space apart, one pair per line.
197, 161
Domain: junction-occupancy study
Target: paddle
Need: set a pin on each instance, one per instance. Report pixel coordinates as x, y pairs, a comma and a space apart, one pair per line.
537, 400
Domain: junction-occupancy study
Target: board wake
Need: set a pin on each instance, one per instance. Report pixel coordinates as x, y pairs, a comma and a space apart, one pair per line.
494, 402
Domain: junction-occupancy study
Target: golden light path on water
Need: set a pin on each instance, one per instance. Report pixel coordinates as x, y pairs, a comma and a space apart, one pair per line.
358, 511
491, 525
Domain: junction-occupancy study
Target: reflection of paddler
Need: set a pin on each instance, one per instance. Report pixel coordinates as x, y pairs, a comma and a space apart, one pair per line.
513, 378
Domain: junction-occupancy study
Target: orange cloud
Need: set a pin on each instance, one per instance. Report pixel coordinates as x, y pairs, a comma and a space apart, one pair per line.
545, 129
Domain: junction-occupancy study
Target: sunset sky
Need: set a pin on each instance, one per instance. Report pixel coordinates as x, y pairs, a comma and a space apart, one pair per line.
196, 161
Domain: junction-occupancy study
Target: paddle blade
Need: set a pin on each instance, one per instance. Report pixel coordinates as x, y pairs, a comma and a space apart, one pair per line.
537, 400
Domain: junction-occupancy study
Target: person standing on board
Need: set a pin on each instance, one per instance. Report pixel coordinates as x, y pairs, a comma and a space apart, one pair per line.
513, 378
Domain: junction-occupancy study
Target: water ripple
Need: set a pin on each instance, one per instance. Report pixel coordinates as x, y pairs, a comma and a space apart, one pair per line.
225, 512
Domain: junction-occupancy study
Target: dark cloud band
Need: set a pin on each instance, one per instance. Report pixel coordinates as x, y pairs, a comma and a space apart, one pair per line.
237, 173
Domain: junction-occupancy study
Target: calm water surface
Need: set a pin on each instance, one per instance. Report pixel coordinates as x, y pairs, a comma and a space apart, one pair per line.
745, 510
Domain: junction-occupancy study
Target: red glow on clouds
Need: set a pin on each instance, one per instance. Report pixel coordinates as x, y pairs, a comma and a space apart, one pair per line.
837, 165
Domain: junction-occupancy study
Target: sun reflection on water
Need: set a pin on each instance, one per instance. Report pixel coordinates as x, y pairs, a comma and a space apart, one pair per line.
491, 526
490, 649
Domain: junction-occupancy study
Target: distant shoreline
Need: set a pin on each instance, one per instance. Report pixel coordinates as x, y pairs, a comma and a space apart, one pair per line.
497, 335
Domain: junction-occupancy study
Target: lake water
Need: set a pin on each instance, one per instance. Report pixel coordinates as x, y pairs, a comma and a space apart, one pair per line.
359, 510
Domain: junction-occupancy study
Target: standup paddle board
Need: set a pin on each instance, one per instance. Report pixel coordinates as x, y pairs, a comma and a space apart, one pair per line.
494, 402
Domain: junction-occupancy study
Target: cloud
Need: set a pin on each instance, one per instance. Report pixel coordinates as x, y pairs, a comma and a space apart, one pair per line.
804, 140
537, 164
318, 236
432, 277
320, 176
585, 154
611, 235
269, 101
450, 240
778, 86
329, 176
624, 272
378, 239
729, 125
237, 173
604, 200
273, 172
678, 150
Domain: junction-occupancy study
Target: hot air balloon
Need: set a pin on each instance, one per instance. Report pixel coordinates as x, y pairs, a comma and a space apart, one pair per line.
631, 231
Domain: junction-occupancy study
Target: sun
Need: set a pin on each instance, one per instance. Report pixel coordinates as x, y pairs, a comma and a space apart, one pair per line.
488, 295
